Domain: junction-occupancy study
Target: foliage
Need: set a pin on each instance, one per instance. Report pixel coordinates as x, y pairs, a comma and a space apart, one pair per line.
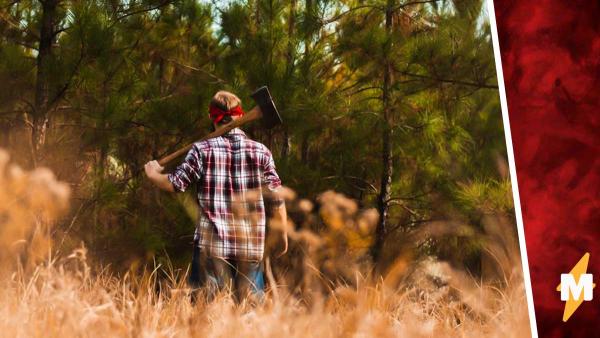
128, 81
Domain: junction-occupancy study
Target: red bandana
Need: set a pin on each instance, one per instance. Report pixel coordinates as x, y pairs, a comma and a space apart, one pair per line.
217, 114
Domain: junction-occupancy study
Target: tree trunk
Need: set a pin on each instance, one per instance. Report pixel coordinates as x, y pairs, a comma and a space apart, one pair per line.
41, 113
307, 38
287, 144
383, 197
291, 33
257, 14
289, 72
304, 149
5, 134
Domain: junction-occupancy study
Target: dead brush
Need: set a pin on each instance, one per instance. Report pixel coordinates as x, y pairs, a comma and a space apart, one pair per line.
335, 269
325, 286
29, 204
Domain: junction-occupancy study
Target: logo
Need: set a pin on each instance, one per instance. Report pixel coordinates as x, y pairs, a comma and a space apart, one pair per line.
576, 286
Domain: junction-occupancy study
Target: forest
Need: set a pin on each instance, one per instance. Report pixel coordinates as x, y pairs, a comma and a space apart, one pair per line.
392, 147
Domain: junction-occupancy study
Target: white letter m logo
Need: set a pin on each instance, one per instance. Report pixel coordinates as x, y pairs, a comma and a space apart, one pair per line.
569, 286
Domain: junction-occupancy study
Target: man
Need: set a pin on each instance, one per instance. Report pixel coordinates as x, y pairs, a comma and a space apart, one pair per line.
229, 172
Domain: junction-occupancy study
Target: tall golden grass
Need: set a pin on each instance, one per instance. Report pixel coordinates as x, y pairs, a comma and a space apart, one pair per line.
325, 288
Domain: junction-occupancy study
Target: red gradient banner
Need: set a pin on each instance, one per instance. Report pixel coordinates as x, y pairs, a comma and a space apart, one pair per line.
551, 60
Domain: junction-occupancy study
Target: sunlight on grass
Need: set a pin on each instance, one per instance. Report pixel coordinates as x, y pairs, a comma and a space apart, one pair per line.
329, 291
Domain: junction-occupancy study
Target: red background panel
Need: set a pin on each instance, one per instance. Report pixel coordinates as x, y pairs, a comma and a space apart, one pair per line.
551, 60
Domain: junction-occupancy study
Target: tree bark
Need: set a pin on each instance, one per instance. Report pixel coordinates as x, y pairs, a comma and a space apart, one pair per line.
308, 37
383, 198
287, 144
304, 149
257, 14
289, 71
291, 33
41, 113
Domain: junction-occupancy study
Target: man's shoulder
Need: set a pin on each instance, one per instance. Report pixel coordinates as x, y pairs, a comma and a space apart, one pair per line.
221, 143
254, 143
251, 144
202, 145
202, 148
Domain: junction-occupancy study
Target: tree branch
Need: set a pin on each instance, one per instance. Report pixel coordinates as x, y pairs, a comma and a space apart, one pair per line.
339, 16
144, 10
61, 92
407, 4
216, 78
17, 26
452, 81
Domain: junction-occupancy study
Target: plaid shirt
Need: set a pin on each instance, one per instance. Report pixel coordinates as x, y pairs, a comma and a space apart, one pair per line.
229, 172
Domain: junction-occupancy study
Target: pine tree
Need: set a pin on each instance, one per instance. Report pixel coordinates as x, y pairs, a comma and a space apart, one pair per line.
391, 102
414, 61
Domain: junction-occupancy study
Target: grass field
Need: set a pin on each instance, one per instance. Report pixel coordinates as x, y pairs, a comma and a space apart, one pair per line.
48, 295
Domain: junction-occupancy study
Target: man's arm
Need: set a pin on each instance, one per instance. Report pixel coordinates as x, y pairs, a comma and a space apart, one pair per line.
280, 214
155, 175
273, 183
187, 173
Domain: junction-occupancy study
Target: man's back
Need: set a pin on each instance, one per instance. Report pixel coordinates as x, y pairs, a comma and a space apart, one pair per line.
229, 172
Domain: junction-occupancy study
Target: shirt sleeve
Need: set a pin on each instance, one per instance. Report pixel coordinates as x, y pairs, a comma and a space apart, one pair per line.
270, 177
188, 172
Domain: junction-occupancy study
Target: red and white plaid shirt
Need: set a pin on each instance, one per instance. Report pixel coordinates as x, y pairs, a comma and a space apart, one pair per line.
229, 172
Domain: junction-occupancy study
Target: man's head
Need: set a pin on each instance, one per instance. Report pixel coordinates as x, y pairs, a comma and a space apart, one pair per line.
225, 107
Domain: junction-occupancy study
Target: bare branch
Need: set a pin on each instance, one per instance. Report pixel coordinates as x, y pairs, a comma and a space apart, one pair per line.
16, 25
144, 10
339, 16
215, 77
362, 180
452, 81
412, 3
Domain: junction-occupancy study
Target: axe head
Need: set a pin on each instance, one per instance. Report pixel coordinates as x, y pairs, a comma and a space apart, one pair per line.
270, 115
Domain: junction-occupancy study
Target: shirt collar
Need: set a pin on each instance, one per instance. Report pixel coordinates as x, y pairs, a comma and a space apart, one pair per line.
235, 132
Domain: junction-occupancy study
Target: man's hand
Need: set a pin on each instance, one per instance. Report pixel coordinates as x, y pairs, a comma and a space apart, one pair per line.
285, 244
154, 172
153, 169
281, 215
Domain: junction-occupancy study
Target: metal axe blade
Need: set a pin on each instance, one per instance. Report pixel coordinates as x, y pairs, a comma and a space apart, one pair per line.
270, 114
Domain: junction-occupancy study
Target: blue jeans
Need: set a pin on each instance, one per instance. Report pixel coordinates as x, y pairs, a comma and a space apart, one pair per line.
217, 274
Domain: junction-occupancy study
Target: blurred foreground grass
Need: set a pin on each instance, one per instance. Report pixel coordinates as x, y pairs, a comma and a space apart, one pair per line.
327, 288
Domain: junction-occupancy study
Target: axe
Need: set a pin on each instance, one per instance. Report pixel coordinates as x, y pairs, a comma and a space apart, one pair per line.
264, 110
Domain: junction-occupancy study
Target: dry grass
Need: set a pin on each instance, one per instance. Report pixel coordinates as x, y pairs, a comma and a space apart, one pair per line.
45, 296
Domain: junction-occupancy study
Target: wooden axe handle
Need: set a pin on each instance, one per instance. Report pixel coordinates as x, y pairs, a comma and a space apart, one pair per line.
252, 115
